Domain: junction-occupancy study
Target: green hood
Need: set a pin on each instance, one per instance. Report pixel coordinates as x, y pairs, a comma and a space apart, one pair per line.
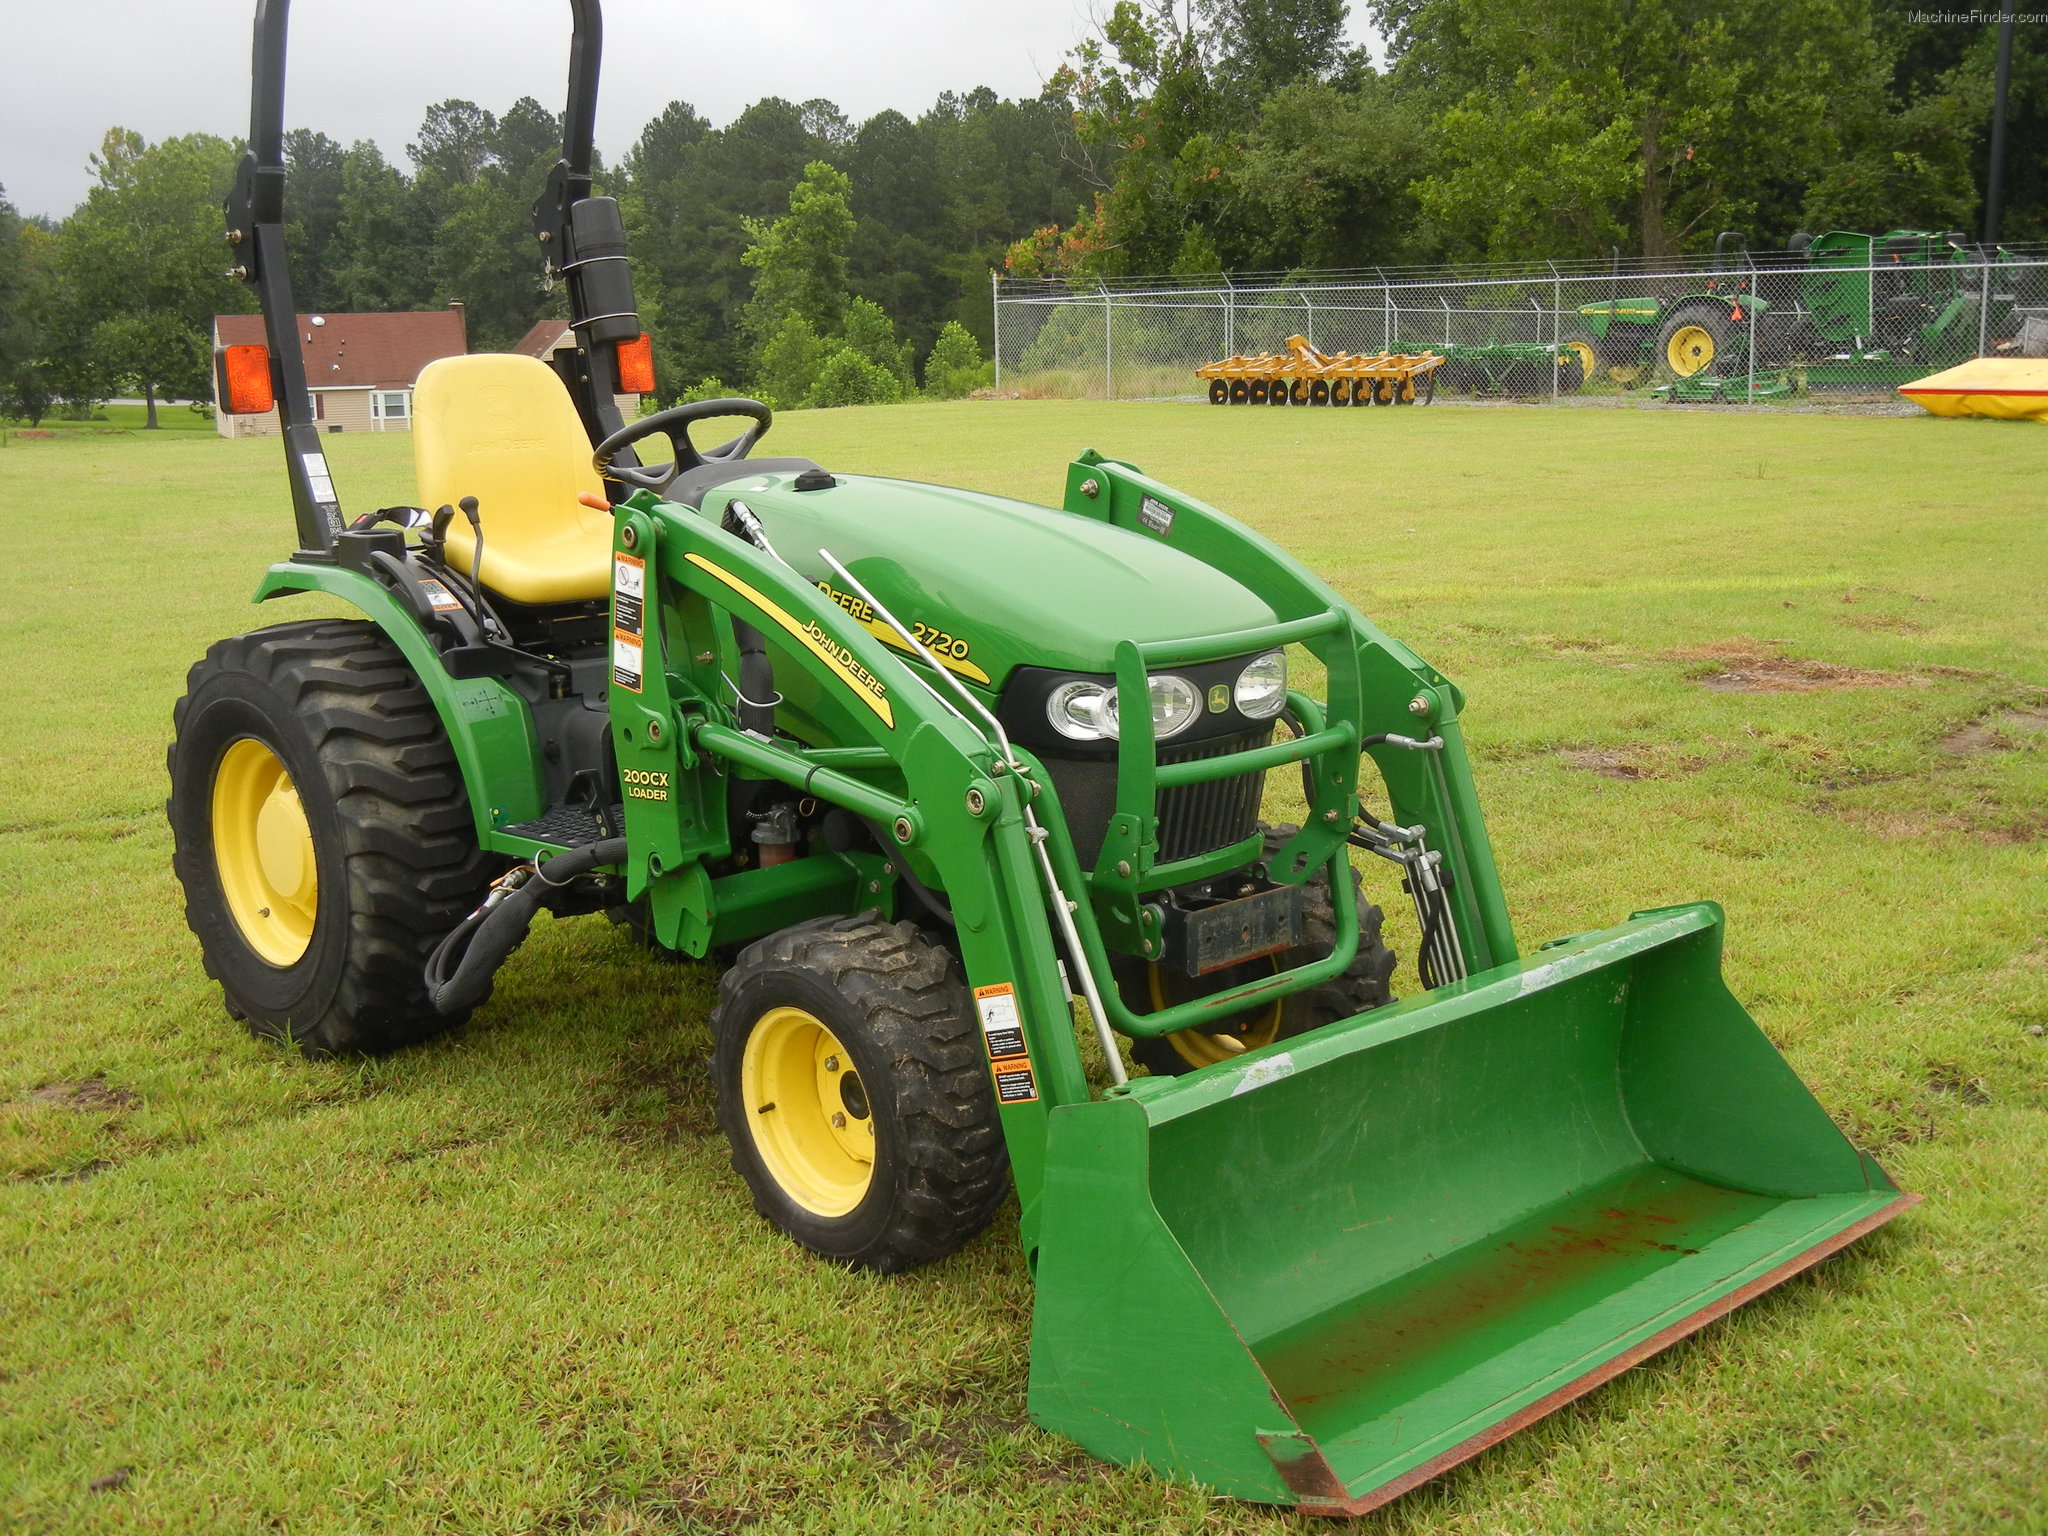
995, 583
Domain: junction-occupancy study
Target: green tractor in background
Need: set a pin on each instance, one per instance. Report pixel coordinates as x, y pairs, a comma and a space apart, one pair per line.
1838, 310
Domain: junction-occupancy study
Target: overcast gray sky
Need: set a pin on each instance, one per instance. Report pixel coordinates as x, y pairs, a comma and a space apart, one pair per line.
368, 68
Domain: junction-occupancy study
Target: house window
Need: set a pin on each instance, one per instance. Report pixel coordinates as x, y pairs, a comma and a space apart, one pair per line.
390, 404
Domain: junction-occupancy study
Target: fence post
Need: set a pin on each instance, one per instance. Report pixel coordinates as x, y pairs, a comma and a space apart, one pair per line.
1108, 347
1386, 313
1750, 398
1557, 336
1229, 317
1983, 298
1308, 323
995, 309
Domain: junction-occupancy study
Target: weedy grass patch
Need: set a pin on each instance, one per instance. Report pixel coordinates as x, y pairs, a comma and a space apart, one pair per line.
506, 1282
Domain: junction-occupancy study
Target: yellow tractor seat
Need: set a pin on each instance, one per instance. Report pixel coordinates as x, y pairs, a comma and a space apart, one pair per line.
502, 428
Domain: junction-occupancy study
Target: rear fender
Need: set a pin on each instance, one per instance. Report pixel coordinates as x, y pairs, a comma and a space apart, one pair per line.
488, 723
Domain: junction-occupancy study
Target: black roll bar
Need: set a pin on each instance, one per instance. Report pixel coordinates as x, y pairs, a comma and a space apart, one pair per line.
580, 235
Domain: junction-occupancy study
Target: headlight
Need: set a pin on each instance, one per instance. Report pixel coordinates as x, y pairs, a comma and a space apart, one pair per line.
1174, 705
1262, 686
1086, 711
1083, 711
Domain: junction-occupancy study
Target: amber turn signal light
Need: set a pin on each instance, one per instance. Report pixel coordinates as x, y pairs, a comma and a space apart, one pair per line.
636, 366
241, 379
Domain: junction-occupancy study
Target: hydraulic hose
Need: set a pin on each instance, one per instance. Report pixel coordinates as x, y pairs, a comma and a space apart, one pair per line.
459, 971
757, 696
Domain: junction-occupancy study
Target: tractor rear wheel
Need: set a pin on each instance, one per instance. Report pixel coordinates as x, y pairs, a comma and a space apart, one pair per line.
854, 1089
322, 834
1365, 984
1696, 338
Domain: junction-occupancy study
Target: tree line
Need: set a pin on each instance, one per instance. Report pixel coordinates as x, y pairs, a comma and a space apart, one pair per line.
1243, 135
814, 260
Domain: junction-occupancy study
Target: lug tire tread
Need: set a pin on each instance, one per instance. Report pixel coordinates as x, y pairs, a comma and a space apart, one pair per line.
413, 868
910, 997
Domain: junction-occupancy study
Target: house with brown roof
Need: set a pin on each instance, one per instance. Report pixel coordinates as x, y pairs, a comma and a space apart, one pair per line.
548, 337
360, 368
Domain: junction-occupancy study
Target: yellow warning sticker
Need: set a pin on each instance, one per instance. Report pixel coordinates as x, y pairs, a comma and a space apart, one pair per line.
1001, 1025
1002, 1030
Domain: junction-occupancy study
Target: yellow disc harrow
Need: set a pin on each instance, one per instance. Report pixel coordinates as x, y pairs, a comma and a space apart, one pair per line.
1303, 376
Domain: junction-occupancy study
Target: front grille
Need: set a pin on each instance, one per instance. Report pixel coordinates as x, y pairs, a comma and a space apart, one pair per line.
1199, 818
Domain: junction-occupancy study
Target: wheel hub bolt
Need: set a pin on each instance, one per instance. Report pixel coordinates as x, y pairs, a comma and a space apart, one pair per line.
831, 1063
838, 1120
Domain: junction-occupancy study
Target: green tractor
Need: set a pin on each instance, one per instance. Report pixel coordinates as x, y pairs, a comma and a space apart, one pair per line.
964, 794
1631, 340
1843, 309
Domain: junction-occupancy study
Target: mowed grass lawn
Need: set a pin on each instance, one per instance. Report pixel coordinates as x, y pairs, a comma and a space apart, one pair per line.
507, 1282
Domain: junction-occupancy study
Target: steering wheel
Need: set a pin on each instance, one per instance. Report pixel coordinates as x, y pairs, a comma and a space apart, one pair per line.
674, 423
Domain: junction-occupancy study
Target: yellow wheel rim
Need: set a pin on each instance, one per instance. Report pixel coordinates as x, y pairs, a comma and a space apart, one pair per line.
263, 849
1204, 1048
809, 1113
1588, 363
1690, 349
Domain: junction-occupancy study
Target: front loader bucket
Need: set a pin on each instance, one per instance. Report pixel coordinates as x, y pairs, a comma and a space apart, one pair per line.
1323, 1273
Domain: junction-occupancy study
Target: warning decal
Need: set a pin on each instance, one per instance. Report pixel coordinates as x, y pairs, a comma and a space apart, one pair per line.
629, 614
318, 481
442, 600
1000, 1024
626, 662
1002, 1028
1014, 1082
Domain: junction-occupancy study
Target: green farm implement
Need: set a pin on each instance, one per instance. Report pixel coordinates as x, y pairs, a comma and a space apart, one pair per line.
1512, 368
964, 794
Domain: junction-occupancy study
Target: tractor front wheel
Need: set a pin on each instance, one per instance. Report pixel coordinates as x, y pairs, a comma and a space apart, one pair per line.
1583, 345
855, 1092
321, 833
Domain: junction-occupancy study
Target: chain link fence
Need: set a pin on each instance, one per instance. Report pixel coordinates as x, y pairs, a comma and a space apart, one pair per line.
1843, 317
